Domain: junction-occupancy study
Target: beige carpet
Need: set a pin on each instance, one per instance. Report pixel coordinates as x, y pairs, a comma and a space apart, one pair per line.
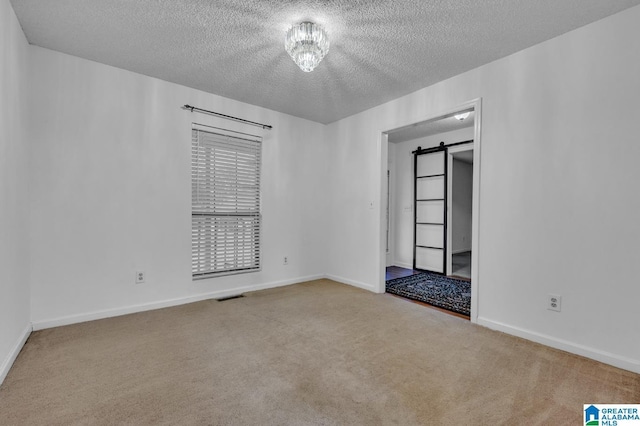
317, 353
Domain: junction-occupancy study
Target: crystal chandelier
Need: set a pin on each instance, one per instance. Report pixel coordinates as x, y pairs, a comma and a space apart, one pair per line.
306, 43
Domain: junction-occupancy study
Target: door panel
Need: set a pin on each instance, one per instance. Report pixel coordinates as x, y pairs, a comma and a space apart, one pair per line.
430, 164
429, 259
430, 187
430, 212
430, 193
429, 236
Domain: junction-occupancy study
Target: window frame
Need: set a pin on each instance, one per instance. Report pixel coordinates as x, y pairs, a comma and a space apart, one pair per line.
224, 219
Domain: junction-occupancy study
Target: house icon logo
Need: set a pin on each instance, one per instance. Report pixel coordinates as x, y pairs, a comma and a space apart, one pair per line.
592, 416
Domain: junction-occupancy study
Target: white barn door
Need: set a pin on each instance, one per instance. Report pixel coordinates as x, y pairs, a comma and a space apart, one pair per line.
430, 191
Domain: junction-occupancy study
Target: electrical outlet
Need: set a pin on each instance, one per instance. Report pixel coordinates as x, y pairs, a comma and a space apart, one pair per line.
285, 261
140, 276
554, 302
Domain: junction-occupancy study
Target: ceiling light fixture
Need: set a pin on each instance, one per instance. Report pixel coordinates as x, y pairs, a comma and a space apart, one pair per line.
307, 43
462, 116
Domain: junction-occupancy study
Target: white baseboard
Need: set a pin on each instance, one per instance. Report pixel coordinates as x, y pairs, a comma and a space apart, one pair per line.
108, 313
403, 265
464, 250
13, 354
353, 283
564, 345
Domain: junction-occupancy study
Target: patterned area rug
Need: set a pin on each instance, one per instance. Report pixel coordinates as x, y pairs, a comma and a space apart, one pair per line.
443, 292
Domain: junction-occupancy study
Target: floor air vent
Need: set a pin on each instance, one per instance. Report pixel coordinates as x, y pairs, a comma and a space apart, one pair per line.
230, 297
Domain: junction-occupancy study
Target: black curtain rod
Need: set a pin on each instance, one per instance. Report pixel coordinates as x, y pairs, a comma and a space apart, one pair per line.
228, 117
440, 147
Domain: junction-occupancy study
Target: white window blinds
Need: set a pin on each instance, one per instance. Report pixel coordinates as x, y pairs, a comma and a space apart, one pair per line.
225, 203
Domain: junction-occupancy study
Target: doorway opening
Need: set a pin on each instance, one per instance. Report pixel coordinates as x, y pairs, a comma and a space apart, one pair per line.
460, 211
430, 223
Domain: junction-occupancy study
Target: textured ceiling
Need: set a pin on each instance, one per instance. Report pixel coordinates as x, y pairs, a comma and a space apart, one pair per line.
380, 49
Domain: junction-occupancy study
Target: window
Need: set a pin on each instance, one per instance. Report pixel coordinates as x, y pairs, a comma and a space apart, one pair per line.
225, 202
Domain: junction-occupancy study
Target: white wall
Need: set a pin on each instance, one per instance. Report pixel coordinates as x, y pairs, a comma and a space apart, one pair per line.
402, 169
14, 252
110, 191
461, 206
559, 157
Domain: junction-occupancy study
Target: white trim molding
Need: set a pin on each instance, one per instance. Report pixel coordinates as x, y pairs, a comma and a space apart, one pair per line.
403, 265
13, 354
132, 309
463, 250
629, 364
369, 287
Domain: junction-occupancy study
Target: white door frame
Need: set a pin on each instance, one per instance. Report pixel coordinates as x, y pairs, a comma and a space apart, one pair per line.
450, 152
389, 212
383, 152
